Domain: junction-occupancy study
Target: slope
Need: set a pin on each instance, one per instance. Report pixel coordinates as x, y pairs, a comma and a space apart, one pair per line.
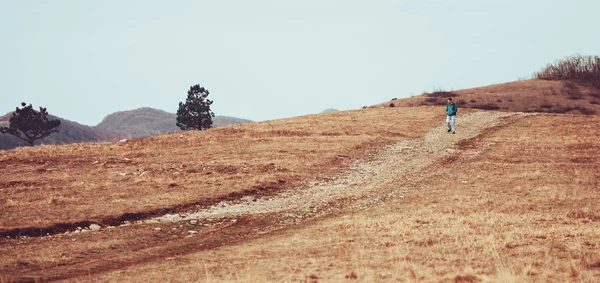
520, 96
483, 207
143, 122
480, 205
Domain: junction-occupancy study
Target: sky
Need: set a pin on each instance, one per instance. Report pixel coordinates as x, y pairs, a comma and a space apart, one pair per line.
264, 60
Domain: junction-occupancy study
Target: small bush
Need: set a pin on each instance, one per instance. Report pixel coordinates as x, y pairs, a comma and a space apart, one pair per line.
486, 106
595, 102
585, 111
561, 110
473, 100
575, 96
443, 94
582, 110
499, 100
579, 68
395, 98
596, 95
431, 100
392, 105
545, 106
461, 102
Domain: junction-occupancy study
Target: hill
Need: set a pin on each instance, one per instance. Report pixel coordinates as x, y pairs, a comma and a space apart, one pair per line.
143, 122
379, 194
544, 96
69, 132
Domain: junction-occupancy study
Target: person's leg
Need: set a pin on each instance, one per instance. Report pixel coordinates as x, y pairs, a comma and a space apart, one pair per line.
453, 124
448, 123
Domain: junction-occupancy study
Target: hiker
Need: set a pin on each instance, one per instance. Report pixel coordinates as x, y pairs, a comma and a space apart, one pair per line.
451, 115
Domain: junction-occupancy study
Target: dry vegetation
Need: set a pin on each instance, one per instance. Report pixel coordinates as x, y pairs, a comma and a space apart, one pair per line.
516, 203
520, 204
546, 96
53, 188
585, 69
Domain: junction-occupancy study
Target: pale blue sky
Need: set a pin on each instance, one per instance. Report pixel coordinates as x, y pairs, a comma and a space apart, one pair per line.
272, 59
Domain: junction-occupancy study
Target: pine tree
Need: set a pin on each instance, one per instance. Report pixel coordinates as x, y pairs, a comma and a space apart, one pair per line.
195, 113
29, 125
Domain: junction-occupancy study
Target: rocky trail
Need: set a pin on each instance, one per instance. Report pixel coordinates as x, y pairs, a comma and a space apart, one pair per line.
365, 183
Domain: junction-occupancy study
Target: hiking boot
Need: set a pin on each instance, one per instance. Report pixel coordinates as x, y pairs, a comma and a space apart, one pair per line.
453, 133
449, 130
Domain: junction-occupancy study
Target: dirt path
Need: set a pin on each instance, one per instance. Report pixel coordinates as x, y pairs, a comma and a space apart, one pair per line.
393, 171
367, 182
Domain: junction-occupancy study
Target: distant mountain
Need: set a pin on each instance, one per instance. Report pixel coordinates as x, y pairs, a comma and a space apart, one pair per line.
69, 132
146, 121
329, 110
140, 122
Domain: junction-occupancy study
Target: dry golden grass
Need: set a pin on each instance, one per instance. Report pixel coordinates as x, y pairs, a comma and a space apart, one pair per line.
521, 96
46, 185
522, 206
99, 182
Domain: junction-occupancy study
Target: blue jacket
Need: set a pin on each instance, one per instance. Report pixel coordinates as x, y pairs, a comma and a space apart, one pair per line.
451, 109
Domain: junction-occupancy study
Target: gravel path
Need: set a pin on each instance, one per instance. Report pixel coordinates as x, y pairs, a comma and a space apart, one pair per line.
365, 183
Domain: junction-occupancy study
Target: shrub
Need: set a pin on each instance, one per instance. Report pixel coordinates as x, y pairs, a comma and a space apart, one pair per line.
431, 100
570, 85
580, 68
395, 98
443, 94
596, 95
486, 106
594, 102
561, 110
582, 110
545, 106
585, 111
473, 100
392, 105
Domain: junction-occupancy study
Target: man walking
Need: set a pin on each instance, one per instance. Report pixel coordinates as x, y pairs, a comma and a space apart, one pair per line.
451, 115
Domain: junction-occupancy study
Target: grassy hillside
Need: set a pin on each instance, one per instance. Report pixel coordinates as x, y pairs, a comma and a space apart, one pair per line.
558, 96
510, 200
497, 211
69, 132
146, 121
